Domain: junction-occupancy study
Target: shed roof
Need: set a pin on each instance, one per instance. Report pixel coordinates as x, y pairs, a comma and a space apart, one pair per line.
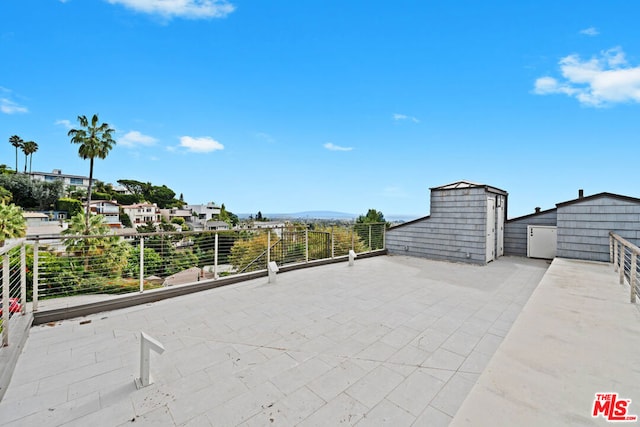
467, 184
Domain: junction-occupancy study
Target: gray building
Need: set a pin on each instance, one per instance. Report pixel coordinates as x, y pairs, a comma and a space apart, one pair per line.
582, 226
466, 224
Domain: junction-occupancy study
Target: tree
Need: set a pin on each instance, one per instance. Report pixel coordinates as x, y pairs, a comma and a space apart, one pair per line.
85, 246
371, 216
17, 142
29, 148
5, 195
12, 223
27, 193
95, 140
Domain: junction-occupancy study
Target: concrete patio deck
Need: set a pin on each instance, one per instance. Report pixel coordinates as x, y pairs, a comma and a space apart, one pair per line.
389, 341
577, 336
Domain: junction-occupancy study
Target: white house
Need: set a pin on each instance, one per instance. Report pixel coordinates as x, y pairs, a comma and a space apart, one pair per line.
78, 181
109, 209
201, 214
141, 213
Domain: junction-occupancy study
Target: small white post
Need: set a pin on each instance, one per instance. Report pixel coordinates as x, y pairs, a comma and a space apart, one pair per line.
352, 257
615, 255
147, 344
141, 264
333, 246
273, 269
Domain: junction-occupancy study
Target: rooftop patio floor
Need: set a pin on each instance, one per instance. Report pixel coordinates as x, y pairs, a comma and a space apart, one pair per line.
392, 340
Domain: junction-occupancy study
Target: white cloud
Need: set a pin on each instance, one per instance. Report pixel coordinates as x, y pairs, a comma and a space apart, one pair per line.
398, 117
7, 106
200, 145
591, 31
134, 138
66, 123
600, 81
193, 9
332, 147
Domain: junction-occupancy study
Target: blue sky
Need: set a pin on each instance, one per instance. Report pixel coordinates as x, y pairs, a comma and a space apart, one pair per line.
287, 106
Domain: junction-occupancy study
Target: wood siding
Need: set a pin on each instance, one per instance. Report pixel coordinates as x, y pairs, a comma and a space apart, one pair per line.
515, 233
455, 230
583, 227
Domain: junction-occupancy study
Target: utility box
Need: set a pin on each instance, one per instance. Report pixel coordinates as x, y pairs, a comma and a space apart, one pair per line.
541, 241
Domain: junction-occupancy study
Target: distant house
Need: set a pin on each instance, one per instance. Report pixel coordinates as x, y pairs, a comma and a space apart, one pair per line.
216, 225
172, 213
38, 224
141, 213
200, 214
77, 181
109, 209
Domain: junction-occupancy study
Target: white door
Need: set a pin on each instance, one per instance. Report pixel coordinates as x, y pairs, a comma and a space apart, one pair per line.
500, 226
541, 241
491, 229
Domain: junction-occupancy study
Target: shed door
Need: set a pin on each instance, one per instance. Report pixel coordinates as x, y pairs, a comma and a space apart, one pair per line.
491, 229
541, 241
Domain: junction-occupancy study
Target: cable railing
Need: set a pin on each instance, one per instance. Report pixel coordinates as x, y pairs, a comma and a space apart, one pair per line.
624, 256
13, 296
75, 265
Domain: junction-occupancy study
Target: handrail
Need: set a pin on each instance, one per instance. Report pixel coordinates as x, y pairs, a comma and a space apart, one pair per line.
618, 248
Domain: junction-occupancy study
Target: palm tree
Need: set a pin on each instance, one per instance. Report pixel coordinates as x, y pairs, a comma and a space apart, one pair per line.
17, 142
12, 223
85, 246
95, 140
29, 148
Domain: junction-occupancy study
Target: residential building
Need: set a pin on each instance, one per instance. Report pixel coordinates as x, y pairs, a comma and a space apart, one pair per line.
77, 181
200, 214
109, 209
141, 213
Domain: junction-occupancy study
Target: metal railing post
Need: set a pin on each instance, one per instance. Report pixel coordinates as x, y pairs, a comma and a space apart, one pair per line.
36, 263
141, 264
268, 246
23, 278
384, 236
621, 253
633, 276
5, 299
306, 245
333, 250
370, 242
615, 255
215, 257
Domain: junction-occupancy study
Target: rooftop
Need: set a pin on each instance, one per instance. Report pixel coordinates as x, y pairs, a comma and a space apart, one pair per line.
392, 340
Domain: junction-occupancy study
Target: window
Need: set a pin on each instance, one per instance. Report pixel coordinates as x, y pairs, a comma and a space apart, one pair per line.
76, 181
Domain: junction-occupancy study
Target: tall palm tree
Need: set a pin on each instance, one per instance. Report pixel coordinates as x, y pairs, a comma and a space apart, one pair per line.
29, 148
95, 140
17, 142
